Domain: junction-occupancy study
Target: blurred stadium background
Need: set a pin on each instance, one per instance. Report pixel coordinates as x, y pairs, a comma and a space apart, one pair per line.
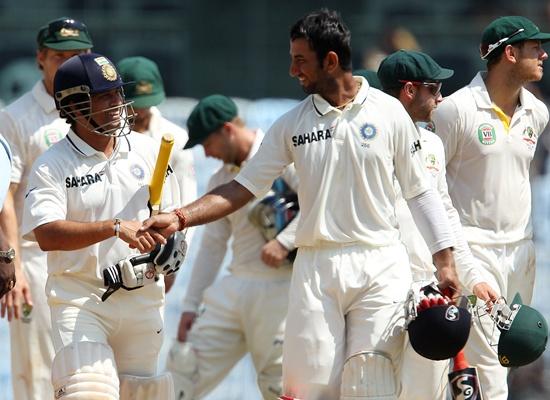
240, 48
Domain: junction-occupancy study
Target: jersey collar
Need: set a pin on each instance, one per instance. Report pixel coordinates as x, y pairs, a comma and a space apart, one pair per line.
85, 150
323, 107
481, 95
43, 98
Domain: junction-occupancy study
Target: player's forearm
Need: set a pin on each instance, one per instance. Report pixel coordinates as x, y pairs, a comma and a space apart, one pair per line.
431, 219
216, 204
71, 235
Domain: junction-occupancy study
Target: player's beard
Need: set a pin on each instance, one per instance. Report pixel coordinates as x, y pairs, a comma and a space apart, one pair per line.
324, 85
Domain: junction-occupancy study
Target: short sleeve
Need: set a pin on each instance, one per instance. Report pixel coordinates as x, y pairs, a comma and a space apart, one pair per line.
45, 199
268, 163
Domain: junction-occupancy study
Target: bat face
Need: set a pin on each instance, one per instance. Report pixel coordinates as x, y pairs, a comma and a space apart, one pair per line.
465, 384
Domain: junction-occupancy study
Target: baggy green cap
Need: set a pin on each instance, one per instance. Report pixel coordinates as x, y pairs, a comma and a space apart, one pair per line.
145, 87
64, 34
410, 65
509, 30
370, 76
209, 115
525, 340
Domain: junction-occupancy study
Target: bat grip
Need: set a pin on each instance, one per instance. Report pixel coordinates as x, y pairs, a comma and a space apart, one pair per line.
459, 361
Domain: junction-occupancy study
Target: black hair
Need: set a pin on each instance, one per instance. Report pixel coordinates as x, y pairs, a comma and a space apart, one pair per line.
325, 31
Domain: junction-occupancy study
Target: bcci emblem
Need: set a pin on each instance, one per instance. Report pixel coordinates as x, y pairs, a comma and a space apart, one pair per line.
486, 134
368, 131
137, 171
109, 72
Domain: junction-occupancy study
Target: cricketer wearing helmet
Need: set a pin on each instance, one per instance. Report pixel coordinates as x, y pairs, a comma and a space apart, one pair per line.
343, 335
31, 125
416, 79
85, 198
245, 311
489, 130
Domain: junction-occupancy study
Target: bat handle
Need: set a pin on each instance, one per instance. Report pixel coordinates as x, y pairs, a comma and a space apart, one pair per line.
459, 361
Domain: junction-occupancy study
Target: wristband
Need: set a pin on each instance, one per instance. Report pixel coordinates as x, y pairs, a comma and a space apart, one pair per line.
181, 218
117, 227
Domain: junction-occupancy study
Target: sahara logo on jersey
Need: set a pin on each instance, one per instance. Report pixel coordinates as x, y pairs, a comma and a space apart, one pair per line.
84, 180
486, 134
315, 136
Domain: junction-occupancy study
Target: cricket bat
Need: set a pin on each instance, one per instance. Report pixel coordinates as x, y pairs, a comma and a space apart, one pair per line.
159, 174
464, 381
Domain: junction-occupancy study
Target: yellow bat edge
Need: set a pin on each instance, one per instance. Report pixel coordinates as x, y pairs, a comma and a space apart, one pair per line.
157, 180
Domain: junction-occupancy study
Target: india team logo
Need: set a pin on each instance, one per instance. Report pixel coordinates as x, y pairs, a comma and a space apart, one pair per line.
368, 131
137, 171
486, 134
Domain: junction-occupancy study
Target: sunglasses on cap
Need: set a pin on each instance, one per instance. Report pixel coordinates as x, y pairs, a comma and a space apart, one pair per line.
496, 45
69, 23
433, 87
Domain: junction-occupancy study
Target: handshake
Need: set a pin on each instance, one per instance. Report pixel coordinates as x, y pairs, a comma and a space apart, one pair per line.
136, 271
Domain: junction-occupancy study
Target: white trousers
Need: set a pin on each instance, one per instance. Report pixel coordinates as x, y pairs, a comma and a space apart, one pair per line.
130, 322
343, 300
510, 269
32, 350
242, 314
421, 378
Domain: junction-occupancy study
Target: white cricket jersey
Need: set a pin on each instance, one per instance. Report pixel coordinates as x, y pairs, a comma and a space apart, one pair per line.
346, 161
433, 157
73, 181
487, 164
181, 160
31, 124
247, 240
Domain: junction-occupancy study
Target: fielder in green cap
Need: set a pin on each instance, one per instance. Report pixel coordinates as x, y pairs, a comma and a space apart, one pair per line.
209, 115
490, 130
209, 343
415, 79
31, 124
146, 89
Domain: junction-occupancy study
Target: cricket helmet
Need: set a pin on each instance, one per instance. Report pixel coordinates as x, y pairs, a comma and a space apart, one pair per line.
81, 77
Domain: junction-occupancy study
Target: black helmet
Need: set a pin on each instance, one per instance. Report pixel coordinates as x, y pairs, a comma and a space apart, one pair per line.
441, 331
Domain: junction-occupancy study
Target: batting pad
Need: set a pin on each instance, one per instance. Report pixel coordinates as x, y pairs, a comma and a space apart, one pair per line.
83, 371
146, 388
368, 375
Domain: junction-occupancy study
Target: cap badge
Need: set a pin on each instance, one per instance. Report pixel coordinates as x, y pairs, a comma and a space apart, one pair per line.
109, 72
69, 32
144, 87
